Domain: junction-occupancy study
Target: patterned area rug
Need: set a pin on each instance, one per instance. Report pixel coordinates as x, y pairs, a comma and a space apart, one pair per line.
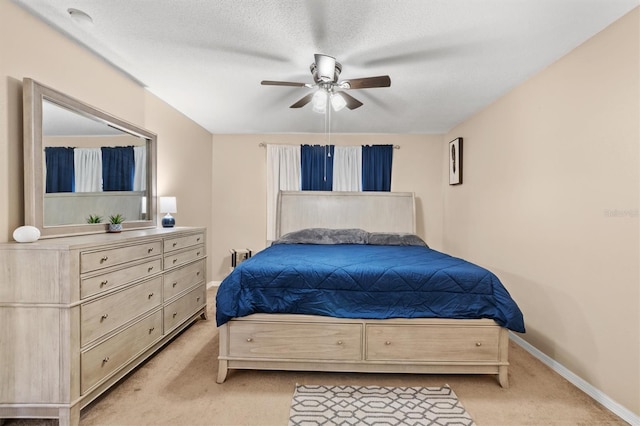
375, 405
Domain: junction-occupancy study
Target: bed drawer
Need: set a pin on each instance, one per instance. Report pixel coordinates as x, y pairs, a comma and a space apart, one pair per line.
91, 261
179, 243
182, 257
295, 341
181, 279
433, 343
100, 283
108, 313
109, 356
179, 310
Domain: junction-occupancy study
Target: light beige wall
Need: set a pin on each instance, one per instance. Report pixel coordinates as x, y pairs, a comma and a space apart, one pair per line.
550, 203
239, 185
29, 48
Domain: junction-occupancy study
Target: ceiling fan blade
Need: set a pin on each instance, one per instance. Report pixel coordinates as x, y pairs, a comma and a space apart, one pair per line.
368, 82
302, 102
282, 83
352, 103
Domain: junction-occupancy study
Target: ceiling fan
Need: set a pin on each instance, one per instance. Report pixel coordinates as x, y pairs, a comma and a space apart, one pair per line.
325, 71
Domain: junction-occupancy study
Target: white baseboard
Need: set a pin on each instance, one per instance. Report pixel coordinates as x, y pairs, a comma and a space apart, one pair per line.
617, 409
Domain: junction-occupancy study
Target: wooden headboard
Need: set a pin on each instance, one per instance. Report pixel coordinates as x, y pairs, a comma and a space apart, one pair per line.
371, 211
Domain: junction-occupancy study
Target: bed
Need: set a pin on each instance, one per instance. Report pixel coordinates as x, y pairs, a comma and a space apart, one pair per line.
348, 286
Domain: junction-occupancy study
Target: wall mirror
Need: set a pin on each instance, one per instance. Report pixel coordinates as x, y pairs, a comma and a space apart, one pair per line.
83, 165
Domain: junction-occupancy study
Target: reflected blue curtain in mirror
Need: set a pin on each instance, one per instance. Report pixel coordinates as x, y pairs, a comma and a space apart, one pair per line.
316, 167
376, 167
118, 168
60, 169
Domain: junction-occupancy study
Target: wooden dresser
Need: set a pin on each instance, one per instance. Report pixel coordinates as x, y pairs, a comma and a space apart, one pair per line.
79, 313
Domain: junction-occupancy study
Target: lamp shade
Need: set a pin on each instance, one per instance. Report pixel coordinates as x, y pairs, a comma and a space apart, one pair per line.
168, 205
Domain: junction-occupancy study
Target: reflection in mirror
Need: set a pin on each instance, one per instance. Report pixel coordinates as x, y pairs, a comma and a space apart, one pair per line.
85, 165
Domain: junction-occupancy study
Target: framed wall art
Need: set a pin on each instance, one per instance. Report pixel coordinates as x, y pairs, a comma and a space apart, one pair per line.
455, 162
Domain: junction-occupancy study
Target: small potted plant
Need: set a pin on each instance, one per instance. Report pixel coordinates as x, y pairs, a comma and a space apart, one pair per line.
94, 218
115, 222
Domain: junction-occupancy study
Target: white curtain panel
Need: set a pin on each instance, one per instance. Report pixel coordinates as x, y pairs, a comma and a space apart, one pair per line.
283, 173
140, 173
87, 163
347, 168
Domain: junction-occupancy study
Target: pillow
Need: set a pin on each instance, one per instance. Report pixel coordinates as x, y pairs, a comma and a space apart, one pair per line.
324, 236
395, 239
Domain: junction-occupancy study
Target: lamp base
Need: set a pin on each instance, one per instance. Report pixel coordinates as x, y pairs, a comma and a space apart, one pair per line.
168, 221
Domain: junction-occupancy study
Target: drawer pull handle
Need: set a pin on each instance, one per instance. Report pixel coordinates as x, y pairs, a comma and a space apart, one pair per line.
104, 259
198, 299
198, 254
175, 314
175, 260
175, 283
198, 273
478, 343
387, 343
151, 330
150, 249
150, 268
105, 360
198, 239
104, 317
249, 339
150, 295
339, 342
103, 283
175, 244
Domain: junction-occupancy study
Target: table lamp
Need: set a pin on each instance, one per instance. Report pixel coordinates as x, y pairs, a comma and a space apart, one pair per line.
168, 206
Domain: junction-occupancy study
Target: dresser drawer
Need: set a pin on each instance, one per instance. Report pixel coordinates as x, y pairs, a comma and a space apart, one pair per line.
184, 307
179, 258
110, 312
295, 341
420, 343
172, 244
107, 281
181, 279
91, 261
106, 358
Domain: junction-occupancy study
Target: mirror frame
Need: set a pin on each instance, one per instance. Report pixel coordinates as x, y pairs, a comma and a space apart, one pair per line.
33, 94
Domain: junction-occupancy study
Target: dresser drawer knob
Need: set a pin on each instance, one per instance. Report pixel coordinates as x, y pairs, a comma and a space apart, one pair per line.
198, 299
104, 259
175, 283
175, 314
105, 360
150, 268
249, 339
104, 317
175, 260
387, 343
175, 244
198, 254
478, 343
198, 273
150, 295
150, 249
198, 239
103, 283
151, 330
339, 342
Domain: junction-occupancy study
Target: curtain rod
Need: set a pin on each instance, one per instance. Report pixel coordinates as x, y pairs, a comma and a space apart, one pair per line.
264, 145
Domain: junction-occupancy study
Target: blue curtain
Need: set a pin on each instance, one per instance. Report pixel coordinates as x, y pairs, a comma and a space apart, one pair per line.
376, 167
316, 167
118, 168
60, 169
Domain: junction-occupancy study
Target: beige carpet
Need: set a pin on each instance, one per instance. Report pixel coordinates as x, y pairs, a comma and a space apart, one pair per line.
178, 387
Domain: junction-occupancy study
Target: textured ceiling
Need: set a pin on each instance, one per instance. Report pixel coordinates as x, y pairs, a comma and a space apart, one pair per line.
446, 58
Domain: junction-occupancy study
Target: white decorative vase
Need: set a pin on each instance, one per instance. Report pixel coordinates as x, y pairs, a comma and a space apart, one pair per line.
26, 234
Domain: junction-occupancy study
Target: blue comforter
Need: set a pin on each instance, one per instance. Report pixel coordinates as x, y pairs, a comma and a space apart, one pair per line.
364, 281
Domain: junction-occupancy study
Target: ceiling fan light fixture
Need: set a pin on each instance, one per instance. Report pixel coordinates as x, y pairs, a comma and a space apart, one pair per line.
319, 101
337, 102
